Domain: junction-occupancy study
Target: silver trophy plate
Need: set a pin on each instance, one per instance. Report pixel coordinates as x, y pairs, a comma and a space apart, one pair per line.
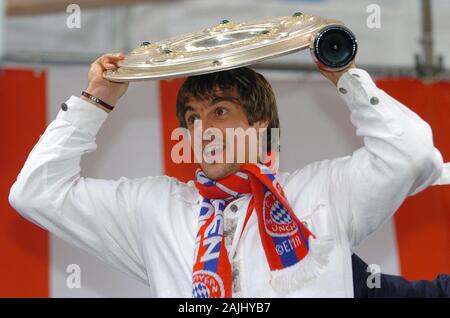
224, 46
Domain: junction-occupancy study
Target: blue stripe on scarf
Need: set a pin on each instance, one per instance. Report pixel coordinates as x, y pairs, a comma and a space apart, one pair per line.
205, 208
213, 264
288, 258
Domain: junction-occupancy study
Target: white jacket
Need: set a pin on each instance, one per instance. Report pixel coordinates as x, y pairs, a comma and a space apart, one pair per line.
146, 227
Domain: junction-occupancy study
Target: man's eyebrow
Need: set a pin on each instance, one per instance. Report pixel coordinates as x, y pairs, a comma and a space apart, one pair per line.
188, 107
214, 100
218, 99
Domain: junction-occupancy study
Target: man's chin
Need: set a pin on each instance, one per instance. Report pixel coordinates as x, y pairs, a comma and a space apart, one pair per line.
217, 171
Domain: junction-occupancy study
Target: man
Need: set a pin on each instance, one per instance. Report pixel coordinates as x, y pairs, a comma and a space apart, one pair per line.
241, 229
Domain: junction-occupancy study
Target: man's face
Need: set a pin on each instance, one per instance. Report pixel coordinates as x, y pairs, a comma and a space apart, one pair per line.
221, 111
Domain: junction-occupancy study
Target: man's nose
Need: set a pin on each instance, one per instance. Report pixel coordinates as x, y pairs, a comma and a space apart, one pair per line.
206, 125
202, 127
211, 131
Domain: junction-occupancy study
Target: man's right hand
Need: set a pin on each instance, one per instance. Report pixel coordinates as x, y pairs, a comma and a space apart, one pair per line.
107, 91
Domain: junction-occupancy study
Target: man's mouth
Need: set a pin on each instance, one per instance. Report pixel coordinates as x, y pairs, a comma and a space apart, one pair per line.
213, 152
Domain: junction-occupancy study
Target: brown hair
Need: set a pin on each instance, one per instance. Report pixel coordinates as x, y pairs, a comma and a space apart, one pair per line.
255, 94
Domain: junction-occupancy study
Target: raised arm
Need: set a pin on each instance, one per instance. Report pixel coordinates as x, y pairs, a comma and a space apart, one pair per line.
96, 215
398, 158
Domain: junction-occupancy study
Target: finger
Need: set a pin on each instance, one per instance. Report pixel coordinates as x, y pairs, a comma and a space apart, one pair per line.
109, 66
108, 63
112, 57
107, 59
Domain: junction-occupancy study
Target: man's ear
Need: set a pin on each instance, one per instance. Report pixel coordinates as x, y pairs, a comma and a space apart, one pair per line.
261, 124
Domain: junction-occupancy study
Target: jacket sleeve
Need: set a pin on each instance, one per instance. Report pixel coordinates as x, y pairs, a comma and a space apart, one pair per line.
398, 158
379, 285
98, 216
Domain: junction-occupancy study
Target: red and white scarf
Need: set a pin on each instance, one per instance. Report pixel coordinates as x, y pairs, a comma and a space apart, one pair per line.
291, 249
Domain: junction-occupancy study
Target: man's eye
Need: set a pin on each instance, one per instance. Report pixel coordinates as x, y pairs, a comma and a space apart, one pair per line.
221, 111
191, 119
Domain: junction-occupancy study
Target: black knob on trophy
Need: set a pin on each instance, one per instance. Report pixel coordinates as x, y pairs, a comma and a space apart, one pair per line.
334, 47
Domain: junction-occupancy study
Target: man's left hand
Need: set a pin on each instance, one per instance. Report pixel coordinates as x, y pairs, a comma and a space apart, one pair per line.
335, 76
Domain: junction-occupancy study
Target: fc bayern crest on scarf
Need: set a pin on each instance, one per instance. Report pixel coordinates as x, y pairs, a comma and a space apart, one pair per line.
286, 241
207, 284
277, 220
